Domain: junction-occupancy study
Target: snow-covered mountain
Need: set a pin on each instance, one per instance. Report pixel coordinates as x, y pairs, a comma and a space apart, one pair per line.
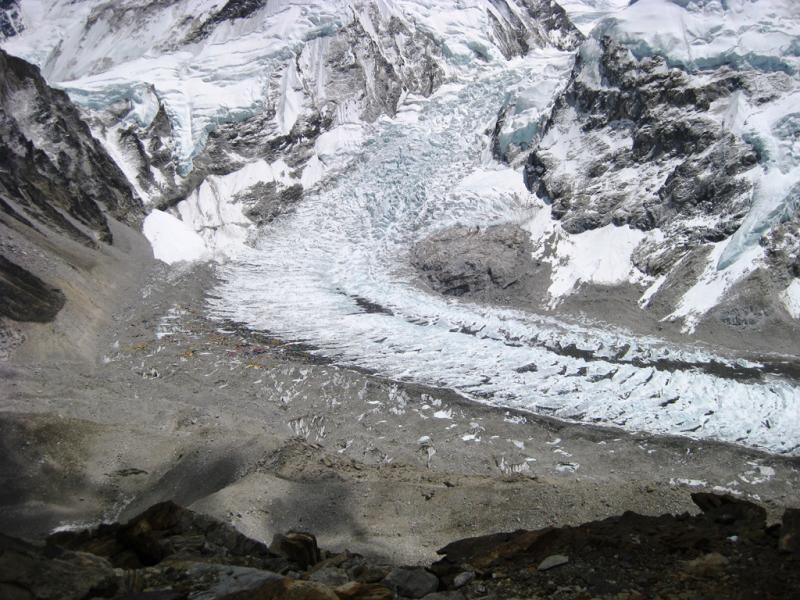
679, 127
622, 178
207, 102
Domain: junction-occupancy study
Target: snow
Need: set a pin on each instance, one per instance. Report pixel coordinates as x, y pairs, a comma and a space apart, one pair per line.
333, 151
791, 298
585, 14
599, 256
417, 176
709, 33
499, 184
712, 285
172, 239
651, 291
214, 211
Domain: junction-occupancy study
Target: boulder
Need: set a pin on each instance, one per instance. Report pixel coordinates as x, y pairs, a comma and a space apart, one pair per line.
410, 582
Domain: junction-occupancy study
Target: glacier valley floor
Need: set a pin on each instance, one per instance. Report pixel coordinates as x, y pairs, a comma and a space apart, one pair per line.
267, 436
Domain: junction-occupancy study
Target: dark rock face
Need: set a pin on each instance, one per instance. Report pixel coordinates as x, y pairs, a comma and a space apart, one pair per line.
647, 118
548, 25
55, 174
727, 551
171, 552
782, 248
461, 260
10, 19
28, 571
297, 547
266, 203
233, 9
164, 531
412, 583
25, 297
552, 25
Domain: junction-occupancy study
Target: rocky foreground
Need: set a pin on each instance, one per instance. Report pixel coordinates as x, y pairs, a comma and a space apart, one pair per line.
169, 552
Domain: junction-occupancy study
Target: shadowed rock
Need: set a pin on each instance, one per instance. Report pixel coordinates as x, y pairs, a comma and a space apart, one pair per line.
169, 552
25, 297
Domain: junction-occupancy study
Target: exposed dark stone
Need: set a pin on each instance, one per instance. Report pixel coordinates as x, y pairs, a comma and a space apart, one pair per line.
725, 552
368, 573
364, 591
52, 167
790, 531
548, 25
25, 297
27, 571
464, 260
233, 9
411, 582
297, 547
167, 530
10, 19
727, 510
267, 203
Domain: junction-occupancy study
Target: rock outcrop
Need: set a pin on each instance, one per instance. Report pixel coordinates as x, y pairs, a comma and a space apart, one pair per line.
55, 175
485, 264
10, 19
622, 115
727, 551
63, 200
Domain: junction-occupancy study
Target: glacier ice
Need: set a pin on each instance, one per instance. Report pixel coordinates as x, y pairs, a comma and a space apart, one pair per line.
414, 177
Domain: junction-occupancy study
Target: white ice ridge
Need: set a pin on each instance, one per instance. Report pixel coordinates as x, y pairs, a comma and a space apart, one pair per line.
791, 298
347, 242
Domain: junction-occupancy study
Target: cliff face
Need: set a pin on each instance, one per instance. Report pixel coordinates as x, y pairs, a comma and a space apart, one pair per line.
55, 175
59, 192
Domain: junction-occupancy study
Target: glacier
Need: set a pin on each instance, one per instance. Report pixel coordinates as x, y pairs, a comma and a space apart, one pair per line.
384, 161
409, 180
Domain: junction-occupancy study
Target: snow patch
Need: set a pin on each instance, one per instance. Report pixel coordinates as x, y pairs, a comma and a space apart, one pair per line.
713, 284
172, 239
599, 256
791, 298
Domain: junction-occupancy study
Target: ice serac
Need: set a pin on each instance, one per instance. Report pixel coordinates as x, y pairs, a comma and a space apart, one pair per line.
680, 117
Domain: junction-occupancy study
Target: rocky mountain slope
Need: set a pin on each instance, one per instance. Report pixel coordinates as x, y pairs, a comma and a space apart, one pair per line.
684, 137
59, 192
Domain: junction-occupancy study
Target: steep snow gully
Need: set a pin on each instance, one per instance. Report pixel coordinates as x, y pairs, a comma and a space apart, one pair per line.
392, 166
